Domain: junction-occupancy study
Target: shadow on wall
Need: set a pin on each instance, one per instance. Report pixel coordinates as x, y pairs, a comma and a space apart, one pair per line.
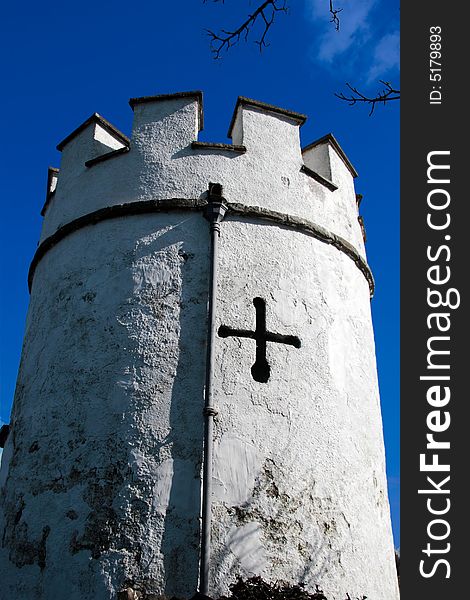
180, 540
110, 414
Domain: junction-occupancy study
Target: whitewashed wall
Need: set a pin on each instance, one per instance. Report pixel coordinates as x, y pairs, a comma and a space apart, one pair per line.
100, 476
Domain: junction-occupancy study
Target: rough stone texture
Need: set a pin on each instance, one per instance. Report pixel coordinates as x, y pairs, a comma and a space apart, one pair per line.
100, 478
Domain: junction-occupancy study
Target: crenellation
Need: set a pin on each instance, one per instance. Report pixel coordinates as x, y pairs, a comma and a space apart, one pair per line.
93, 138
197, 95
164, 141
165, 124
244, 103
317, 158
267, 132
326, 157
265, 143
52, 178
321, 152
102, 130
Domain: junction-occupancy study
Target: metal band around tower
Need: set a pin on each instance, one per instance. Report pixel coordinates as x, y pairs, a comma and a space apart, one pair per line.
184, 204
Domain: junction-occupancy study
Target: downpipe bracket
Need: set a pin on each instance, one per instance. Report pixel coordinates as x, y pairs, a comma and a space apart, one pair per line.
215, 209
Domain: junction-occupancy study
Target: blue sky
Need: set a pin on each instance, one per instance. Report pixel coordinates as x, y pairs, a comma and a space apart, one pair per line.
64, 61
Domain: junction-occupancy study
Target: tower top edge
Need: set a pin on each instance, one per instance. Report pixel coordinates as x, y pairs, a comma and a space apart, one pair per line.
197, 94
95, 118
242, 101
329, 138
271, 108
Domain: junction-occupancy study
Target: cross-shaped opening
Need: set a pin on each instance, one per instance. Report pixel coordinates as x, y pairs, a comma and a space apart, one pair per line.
260, 369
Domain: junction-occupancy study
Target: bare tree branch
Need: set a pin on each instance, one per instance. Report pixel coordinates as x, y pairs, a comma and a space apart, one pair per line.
383, 96
264, 14
334, 15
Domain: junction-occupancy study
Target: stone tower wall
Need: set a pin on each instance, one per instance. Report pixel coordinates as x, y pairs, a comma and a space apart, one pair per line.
100, 482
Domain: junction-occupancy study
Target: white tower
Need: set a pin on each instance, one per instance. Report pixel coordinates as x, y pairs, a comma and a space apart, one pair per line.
161, 359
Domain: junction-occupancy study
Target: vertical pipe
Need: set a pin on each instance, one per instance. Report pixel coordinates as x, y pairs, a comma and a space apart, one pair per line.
214, 213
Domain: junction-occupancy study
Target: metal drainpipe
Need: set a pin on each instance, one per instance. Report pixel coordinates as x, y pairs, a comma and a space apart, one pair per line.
214, 213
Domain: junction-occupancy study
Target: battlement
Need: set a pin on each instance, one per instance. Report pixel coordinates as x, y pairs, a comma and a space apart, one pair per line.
264, 166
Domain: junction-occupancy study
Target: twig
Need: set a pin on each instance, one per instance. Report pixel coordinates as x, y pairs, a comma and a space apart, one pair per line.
265, 13
383, 96
334, 15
